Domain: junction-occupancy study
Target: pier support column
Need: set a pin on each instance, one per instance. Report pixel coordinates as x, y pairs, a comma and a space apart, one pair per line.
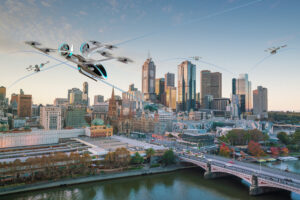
211, 175
255, 190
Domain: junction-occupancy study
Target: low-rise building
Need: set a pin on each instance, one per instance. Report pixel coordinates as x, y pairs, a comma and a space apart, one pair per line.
99, 129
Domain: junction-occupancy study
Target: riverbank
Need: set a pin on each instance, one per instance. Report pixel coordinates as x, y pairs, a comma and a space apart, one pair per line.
94, 178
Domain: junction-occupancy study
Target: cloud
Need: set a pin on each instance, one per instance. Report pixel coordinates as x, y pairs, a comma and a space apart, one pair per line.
231, 1
178, 18
21, 21
82, 12
114, 5
167, 9
122, 17
46, 4
275, 4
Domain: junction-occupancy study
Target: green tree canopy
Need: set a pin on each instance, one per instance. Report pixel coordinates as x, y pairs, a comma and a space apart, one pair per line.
168, 157
150, 152
137, 159
243, 137
283, 137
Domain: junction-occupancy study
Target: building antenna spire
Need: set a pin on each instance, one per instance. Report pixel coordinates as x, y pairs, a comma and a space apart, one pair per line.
149, 56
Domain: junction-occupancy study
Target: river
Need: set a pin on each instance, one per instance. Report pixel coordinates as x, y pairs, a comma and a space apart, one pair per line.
293, 166
184, 184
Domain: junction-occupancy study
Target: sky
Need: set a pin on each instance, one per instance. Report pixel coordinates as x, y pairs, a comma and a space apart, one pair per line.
230, 34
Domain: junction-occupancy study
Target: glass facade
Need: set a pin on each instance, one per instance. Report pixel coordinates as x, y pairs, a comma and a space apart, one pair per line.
186, 86
243, 89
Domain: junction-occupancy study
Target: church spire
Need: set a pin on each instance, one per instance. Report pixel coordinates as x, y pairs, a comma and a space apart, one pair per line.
113, 93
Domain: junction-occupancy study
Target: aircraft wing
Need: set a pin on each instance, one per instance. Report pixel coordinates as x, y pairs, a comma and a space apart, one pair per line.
47, 50
32, 43
96, 43
95, 62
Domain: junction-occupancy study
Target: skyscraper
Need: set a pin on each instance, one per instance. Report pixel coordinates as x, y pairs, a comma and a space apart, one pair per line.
135, 97
148, 80
85, 94
60, 102
186, 86
75, 96
2, 93
260, 101
160, 89
171, 97
233, 86
169, 80
210, 84
243, 90
98, 99
24, 105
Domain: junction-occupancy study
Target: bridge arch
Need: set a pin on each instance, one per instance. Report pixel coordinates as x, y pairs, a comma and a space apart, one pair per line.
225, 172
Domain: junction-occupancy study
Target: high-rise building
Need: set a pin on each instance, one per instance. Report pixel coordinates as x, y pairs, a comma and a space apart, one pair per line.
160, 90
60, 102
75, 117
98, 99
233, 86
2, 93
220, 103
35, 110
260, 101
186, 86
171, 97
100, 110
169, 80
24, 104
235, 107
14, 99
135, 97
207, 102
243, 90
85, 94
210, 84
148, 80
50, 117
75, 96
132, 88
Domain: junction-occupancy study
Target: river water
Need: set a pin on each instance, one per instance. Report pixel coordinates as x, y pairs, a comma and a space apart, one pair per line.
184, 184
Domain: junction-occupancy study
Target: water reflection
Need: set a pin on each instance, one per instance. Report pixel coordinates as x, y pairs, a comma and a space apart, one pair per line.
185, 184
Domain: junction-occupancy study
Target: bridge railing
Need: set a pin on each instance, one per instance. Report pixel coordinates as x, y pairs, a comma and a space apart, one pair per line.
249, 171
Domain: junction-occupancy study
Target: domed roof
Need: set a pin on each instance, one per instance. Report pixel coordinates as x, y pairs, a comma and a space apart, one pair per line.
97, 122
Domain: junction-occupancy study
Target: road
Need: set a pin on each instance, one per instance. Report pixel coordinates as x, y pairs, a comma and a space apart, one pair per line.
271, 174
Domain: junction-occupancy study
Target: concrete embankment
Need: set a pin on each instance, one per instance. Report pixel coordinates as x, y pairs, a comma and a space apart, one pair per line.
66, 182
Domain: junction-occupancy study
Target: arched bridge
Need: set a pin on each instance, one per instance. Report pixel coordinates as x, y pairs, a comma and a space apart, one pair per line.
261, 179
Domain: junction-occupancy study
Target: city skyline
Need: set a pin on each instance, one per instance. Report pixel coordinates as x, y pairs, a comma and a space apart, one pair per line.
182, 34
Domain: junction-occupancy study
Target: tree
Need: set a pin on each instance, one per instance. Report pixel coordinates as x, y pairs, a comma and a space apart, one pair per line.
255, 149
168, 157
242, 137
224, 150
283, 137
296, 138
285, 151
274, 151
110, 159
149, 153
122, 157
137, 159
